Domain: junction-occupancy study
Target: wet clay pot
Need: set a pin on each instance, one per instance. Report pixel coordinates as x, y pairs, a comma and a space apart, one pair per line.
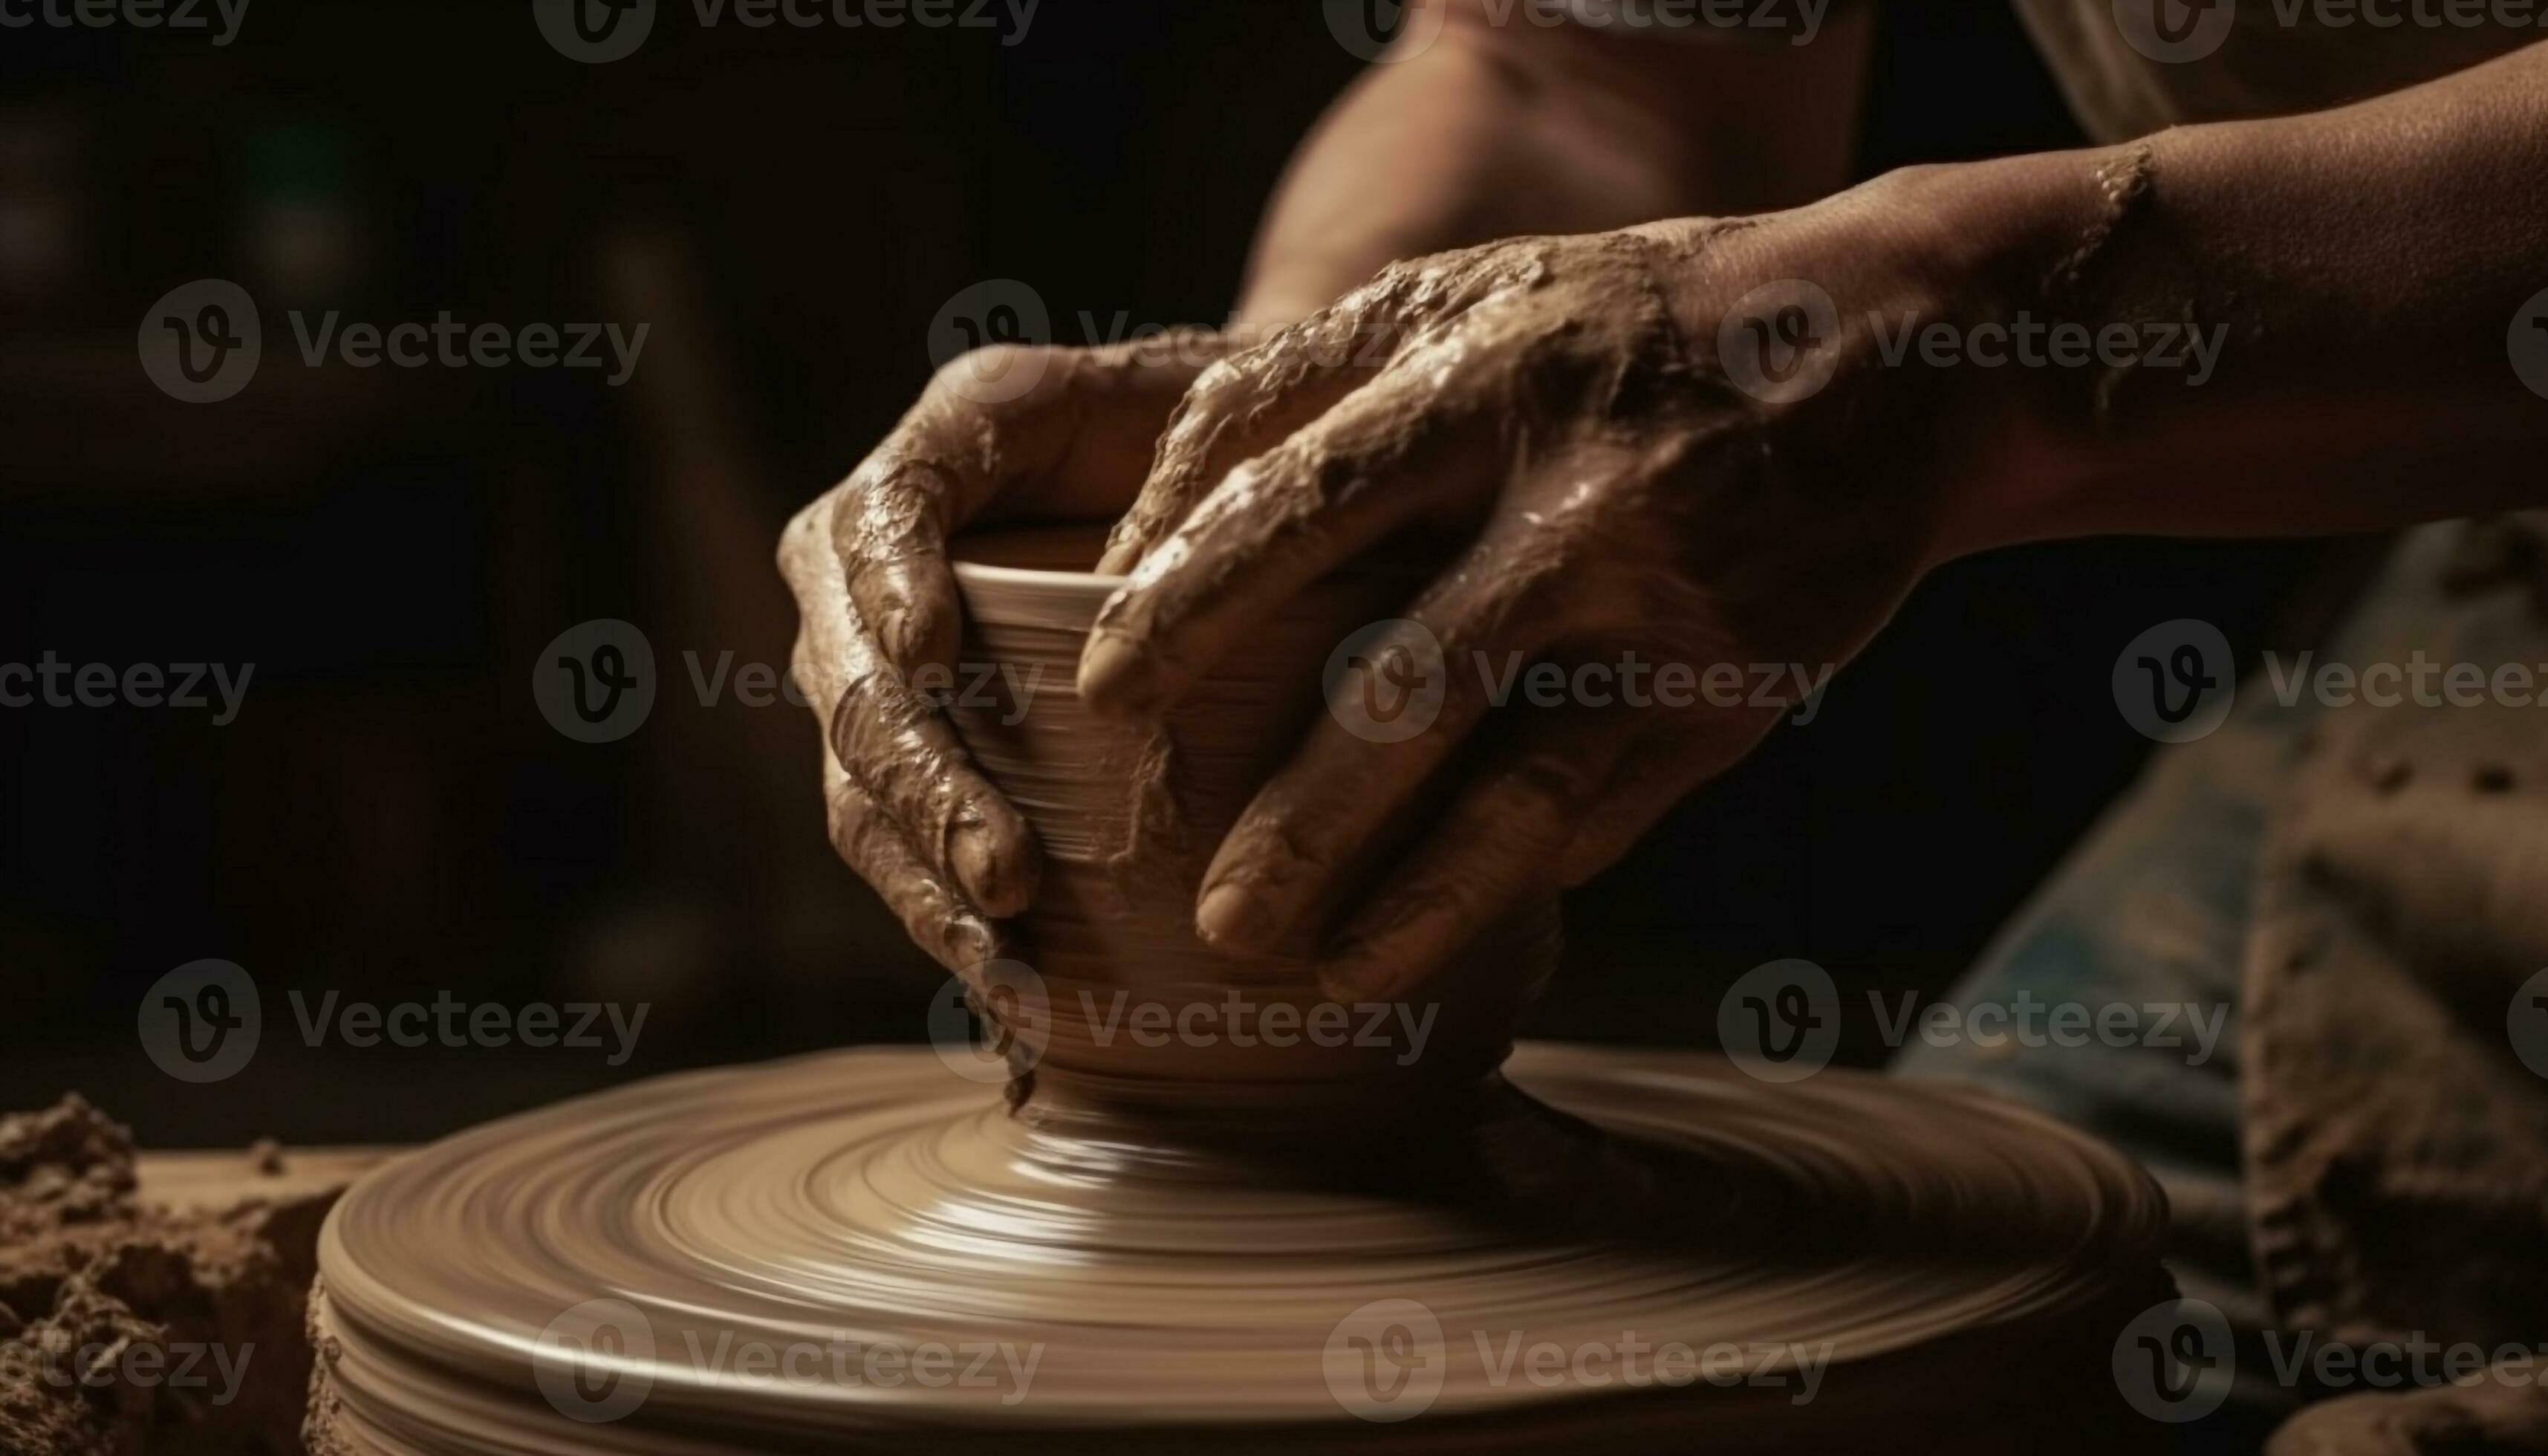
1129, 815
1180, 1243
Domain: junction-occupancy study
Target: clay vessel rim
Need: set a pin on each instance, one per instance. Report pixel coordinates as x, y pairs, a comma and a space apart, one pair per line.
1037, 597
983, 574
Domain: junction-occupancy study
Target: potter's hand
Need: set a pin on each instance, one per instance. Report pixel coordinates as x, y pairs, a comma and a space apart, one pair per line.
877, 608
1614, 481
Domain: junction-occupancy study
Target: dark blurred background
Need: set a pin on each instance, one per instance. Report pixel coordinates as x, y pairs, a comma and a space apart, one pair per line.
389, 815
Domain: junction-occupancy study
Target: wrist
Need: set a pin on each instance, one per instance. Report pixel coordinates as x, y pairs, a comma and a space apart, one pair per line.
2026, 248
1939, 283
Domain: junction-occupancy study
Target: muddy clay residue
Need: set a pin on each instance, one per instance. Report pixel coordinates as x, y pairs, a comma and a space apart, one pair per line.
105, 1298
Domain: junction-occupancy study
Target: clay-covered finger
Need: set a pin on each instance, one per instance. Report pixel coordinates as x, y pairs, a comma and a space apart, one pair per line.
1065, 446
891, 741
1422, 443
1365, 762
938, 918
1492, 849
947, 458
1244, 405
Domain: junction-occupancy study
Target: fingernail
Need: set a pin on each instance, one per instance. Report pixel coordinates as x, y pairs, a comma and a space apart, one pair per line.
1231, 919
896, 633
1115, 672
976, 861
999, 887
968, 942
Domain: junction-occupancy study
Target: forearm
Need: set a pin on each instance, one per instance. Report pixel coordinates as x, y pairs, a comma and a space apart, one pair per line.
1496, 131
2357, 273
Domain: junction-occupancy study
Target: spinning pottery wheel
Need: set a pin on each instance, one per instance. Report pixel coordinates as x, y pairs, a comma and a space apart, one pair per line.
1252, 1231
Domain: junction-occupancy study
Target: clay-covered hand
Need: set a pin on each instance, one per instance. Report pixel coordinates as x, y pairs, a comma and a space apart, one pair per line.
2504, 1414
1014, 432
1646, 452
